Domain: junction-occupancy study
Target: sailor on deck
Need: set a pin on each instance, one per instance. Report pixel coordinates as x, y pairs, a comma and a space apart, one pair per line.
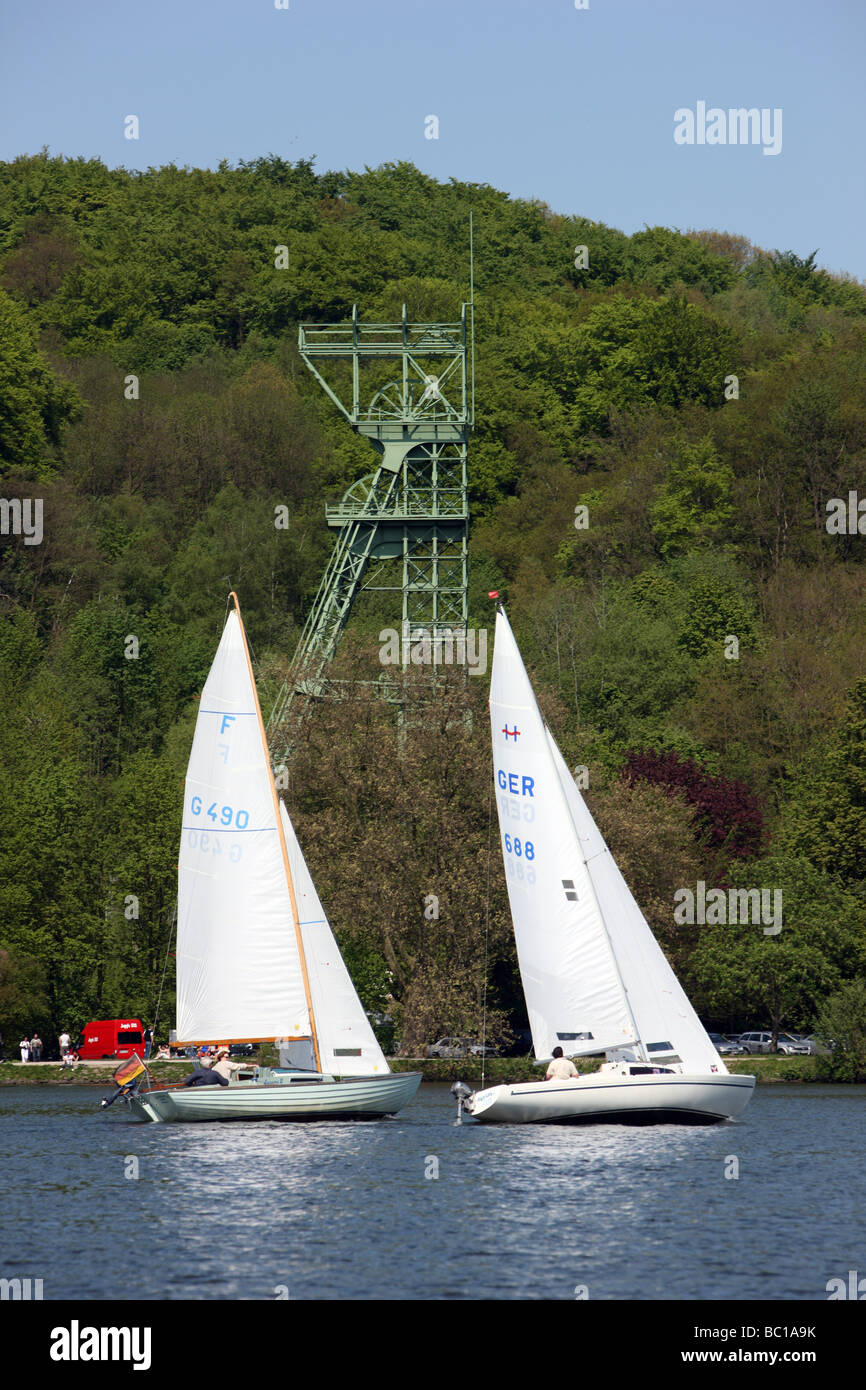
561, 1068
216, 1075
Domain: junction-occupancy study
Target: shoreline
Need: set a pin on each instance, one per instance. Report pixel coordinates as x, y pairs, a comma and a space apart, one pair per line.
768, 1070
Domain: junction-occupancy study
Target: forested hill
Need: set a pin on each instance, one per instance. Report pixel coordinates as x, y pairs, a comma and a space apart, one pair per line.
698, 402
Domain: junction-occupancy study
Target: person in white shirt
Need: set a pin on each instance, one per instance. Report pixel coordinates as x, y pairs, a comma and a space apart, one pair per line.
217, 1074
561, 1068
25, 1049
64, 1044
222, 1066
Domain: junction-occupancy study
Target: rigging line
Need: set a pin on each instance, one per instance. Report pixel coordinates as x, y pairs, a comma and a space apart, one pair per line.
486, 932
165, 966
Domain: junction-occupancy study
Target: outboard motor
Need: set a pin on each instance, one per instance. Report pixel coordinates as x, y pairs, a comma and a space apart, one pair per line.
462, 1092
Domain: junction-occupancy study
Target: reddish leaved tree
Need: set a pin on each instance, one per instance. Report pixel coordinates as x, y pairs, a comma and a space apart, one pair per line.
727, 814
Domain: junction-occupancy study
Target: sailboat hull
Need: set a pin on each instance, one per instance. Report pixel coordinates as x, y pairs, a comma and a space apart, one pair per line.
609, 1099
367, 1098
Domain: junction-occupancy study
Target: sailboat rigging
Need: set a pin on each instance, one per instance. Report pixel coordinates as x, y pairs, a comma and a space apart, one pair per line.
594, 977
256, 958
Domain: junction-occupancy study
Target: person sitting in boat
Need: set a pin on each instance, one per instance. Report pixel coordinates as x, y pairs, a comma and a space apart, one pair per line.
216, 1074
561, 1068
223, 1066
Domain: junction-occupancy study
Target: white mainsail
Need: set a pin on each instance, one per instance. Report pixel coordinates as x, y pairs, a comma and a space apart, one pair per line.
347, 1043
575, 997
239, 973
588, 958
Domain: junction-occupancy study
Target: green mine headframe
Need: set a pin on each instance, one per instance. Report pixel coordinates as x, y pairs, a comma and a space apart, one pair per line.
406, 387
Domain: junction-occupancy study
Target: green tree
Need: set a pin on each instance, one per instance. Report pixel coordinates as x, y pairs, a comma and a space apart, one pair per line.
825, 811
35, 404
841, 1026
695, 504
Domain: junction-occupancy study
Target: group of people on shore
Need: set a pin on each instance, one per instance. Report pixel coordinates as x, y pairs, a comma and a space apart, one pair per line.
31, 1048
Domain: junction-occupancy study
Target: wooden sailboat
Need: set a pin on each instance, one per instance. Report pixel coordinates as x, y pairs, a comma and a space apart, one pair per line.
594, 976
256, 958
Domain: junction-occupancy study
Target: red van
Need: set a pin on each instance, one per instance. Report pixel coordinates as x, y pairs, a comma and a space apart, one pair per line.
111, 1037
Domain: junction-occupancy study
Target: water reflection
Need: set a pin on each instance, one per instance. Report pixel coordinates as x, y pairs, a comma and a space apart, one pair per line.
345, 1210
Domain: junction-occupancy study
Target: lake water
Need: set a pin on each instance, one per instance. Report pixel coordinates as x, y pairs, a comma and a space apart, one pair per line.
346, 1211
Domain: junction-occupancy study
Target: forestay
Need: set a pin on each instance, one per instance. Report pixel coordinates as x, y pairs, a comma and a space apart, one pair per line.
574, 994
238, 964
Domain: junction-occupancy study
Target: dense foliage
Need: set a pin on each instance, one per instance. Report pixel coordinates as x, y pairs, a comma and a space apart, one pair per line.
702, 399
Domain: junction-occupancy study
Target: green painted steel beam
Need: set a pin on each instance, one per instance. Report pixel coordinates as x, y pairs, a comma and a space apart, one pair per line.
413, 509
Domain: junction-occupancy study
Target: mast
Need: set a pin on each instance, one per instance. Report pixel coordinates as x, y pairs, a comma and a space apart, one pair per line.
283, 847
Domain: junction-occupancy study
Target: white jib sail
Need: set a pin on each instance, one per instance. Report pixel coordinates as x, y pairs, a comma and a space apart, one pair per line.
665, 1018
574, 994
347, 1043
238, 965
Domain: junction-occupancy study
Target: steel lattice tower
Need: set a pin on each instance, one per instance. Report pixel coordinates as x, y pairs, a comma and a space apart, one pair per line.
413, 507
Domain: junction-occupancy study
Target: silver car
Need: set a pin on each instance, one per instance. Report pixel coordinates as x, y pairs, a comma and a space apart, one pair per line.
756, 1042
763, 1042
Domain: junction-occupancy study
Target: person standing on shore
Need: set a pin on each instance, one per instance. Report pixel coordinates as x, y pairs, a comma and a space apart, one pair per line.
64, 1044
36, 1048
148, 1042
25, 1048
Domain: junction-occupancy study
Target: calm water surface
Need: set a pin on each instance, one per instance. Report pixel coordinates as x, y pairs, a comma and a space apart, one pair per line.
345, 1210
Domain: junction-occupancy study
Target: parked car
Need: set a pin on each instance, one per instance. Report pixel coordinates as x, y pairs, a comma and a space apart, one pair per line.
763, 1042
724, 1046
816, 1048
446, 1047
459, 1047
243, 1049
756, 1042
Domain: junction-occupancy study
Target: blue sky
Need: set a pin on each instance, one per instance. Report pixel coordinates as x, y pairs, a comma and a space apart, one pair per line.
575, 107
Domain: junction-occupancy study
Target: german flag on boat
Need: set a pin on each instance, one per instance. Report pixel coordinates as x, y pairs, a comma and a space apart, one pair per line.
128, 1071
125, 1080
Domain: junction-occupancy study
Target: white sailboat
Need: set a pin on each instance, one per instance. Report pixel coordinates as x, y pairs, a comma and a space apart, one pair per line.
256, 958
594, 976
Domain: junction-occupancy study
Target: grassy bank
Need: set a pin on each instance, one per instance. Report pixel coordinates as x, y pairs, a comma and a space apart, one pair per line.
83, 1074
496, 1069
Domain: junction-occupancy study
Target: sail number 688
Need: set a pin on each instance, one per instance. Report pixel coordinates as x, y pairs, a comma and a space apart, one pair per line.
518, 847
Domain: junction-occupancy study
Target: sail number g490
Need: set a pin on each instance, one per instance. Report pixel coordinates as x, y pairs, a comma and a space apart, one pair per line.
518, 847
225, 815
